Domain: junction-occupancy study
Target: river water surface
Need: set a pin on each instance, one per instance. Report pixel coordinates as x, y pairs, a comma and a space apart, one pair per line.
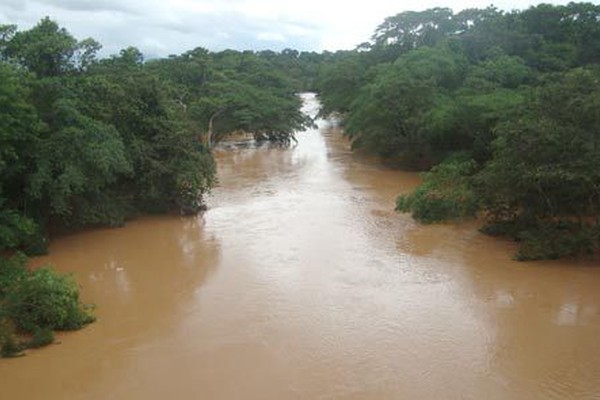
300, 282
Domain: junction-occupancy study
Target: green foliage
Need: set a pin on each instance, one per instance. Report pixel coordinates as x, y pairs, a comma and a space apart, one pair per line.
340, 80
41, 337
543, 177
46, 49
444, 194
391, 116
546, 161
12, 271
556, 240
9, 346
91, 142
36, 303
501, 70
87, 142
413, 29
92, 156
46, 300
236, 91
517, 92
19, 126
15, 229
300, 68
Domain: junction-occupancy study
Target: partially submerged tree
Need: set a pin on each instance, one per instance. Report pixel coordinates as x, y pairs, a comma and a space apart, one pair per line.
234, 91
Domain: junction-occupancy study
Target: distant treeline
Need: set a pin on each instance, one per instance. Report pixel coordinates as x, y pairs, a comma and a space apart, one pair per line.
502, 108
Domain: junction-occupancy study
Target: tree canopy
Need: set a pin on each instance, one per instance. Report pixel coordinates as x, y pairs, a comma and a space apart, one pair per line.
89, 141
502, 105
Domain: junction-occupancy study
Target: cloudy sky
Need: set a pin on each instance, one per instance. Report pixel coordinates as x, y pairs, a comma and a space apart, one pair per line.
162, 27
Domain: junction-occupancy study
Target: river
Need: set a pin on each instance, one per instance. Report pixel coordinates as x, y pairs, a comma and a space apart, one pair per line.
300, 282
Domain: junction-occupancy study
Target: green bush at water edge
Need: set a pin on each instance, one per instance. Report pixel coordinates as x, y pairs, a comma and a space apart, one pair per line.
445, 194
34, 304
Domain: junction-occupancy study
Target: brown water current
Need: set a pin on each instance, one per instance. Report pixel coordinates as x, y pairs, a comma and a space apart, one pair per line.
300, 282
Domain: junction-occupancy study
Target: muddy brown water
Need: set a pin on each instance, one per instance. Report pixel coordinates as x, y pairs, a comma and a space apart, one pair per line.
300, 282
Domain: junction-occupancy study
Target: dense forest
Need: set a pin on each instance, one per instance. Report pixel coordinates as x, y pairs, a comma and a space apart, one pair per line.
501, 108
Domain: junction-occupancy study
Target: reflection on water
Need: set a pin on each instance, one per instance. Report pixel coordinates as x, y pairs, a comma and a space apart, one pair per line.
300, 282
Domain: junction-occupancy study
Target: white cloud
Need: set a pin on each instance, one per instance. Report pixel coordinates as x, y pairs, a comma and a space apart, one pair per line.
160, 27
271, 37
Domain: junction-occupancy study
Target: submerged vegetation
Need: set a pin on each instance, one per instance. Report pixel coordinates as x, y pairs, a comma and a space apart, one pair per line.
501, 107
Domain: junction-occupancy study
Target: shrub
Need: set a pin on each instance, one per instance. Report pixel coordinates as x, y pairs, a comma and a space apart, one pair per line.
36, 303
9, 345
12, 271
444, 194
46, 299
41, 337
556, 240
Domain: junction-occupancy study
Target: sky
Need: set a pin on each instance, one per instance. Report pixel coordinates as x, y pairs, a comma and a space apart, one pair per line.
162, 27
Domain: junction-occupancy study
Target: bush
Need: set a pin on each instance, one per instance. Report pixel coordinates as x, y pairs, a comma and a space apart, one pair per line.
36, 303
15, 229
444, 194
12, 271
41, 337
46, 299
10, 346
556, 240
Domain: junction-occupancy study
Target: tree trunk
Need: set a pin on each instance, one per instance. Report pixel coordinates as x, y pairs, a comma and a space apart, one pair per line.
210, 127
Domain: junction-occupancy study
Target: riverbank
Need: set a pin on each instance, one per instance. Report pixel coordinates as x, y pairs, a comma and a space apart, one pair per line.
301, 282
